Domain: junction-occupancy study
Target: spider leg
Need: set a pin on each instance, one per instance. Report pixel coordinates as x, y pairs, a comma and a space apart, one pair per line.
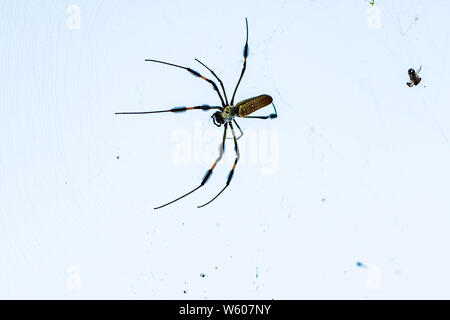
194, 73
270, 116
230, 175
204, 107
241, 133
218, 79
245, 63
207, 174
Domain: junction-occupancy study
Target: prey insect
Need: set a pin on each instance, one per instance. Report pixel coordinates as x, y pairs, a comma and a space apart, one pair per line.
414, 77
225, 115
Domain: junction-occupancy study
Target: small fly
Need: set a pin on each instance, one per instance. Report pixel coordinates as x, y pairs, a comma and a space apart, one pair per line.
414, 77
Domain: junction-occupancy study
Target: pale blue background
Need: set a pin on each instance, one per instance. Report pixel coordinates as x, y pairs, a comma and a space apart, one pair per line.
351, 133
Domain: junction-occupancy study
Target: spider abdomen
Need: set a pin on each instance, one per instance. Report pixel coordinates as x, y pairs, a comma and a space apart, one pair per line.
248, 106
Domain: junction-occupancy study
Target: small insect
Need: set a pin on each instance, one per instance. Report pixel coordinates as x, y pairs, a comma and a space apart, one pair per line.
414, 77
226, 114
372, 2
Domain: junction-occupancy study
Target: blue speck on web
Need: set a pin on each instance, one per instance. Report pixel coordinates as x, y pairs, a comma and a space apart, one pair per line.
360, 264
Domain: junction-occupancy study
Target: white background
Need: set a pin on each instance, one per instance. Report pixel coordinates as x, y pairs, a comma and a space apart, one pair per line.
362, 176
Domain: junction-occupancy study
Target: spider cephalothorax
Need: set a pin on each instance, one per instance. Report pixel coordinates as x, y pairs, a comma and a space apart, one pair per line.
225, 116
